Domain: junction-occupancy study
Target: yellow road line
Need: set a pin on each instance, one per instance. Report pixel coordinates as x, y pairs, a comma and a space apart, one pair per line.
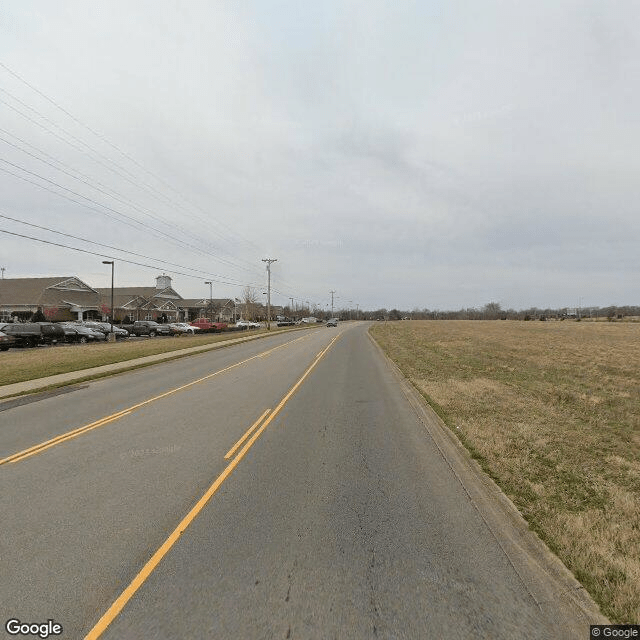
156, 558
66, 436
236, 446
27, 453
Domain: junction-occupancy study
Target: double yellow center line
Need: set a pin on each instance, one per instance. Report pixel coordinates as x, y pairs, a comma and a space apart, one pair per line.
153, 562
43, 446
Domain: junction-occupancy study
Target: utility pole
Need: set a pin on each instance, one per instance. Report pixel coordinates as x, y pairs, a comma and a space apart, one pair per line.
292, 313
332, 292
269, 261
210, 298
112, 337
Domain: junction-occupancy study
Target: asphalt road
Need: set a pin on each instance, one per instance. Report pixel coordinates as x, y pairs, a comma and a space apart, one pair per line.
343, 514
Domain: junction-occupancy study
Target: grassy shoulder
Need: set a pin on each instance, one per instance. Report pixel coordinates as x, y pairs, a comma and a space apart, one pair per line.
20, 365
552, 412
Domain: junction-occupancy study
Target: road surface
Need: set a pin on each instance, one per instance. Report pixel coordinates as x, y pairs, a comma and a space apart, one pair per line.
282, 488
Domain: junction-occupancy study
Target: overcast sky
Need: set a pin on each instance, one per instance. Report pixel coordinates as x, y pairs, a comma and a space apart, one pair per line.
405, 154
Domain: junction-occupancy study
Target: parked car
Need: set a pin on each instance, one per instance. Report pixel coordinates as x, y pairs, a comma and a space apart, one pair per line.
6, 341
332, 322
183, 327
105, 328
247, 324
147, 328
206, 325
202, 323
31, 334
80, 333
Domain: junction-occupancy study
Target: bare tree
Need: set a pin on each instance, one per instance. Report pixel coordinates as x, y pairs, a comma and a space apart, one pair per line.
250, 302
492, 310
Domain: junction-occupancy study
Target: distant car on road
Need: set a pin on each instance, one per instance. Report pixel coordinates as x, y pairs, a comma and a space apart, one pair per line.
332, 322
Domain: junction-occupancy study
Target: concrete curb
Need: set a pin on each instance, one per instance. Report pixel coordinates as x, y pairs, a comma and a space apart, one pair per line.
62, 379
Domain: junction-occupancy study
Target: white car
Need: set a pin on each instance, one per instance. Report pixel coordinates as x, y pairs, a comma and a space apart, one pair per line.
249, 325
183, 327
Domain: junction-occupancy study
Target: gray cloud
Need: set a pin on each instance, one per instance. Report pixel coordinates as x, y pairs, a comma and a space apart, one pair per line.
416, 154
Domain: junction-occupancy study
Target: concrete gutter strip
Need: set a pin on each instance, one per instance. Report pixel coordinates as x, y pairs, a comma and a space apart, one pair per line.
38, 384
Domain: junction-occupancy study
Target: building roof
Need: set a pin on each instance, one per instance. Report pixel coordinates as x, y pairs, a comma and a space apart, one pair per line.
53, 291
145, 292
203, 302
193, 302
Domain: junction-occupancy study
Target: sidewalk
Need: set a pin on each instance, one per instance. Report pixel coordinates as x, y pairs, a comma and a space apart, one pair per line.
31, 386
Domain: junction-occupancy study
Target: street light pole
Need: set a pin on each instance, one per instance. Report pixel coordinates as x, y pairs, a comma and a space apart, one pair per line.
269, 261
210, 296
112, 314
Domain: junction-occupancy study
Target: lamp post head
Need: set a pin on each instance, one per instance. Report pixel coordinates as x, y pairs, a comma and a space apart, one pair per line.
107, 262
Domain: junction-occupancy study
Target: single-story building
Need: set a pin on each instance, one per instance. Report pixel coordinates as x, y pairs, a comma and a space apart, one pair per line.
58, 298
161, 302
68, 298
216, 309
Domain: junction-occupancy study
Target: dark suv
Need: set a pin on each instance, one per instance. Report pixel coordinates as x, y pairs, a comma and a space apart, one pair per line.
31, 334
147, 328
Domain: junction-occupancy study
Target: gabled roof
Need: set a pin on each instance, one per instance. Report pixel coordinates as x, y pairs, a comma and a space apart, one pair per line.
46, 291
203, 302
124, 301
193, 302
146, 292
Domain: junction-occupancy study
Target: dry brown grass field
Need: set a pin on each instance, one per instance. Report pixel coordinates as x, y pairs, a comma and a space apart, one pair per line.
551, 410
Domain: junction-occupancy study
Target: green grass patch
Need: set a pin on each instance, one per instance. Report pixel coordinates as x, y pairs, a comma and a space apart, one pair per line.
20, 365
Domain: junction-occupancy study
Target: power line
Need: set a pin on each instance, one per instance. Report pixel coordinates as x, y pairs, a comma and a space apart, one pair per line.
104, 255
219, 278
104, 139
98, 161
118, 197
168, 236
138, 184
108, 246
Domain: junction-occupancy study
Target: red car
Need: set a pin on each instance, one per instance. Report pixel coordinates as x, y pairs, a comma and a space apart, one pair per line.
205, 324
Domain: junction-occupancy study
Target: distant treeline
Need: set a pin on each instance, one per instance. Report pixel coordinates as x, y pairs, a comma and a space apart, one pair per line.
493, 311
